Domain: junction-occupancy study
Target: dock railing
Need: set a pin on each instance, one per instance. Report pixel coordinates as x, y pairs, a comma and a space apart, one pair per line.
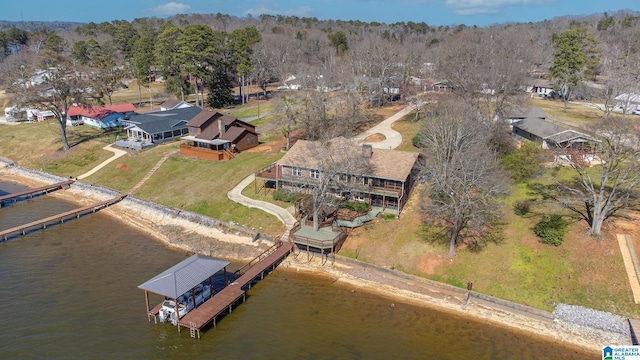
258, 258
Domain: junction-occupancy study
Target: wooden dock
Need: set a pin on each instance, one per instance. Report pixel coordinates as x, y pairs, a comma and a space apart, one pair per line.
220, 302
634, 328
34, 192
58, 219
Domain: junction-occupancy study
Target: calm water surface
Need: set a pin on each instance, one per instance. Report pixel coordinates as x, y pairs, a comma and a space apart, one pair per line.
70, 292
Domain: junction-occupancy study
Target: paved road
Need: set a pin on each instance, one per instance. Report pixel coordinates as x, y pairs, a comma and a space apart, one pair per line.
116, 154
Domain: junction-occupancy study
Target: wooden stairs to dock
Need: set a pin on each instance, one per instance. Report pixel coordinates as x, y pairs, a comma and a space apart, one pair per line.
152, 171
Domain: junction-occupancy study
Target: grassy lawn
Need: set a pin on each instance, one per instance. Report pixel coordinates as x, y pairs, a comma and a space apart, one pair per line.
408, 128
264, 195
582, 271
252, 109
201, 186
38, 146
127, 171
131, 95
577, 114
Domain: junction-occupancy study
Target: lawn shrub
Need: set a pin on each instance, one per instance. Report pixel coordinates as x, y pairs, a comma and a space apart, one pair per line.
522, 208
525, 162
551, 229
416, 141
356, 206
388, 217
287, 196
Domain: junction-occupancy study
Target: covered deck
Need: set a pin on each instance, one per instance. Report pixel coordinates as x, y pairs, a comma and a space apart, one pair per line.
216, 149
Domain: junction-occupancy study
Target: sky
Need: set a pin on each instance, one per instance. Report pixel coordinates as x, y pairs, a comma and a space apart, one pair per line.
432, 12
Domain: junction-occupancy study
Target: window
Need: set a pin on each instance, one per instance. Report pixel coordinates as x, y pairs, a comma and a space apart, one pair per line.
296, 171
314, 174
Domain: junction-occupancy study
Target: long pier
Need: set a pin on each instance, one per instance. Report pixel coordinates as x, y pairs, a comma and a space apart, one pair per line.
220, 302
35, 191
58, 219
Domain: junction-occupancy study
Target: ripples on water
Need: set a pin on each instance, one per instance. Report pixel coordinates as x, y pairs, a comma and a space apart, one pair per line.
70, 291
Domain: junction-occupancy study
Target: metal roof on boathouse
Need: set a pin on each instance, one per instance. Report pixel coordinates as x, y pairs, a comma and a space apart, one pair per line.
184, 276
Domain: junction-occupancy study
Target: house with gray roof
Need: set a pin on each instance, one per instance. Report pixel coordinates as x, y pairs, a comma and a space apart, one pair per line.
519, 113
562, 143
149, 129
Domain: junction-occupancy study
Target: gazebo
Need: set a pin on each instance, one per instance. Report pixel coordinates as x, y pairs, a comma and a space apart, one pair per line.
182, 278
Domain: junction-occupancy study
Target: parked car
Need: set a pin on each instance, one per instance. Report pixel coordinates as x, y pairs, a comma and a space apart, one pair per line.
635, 111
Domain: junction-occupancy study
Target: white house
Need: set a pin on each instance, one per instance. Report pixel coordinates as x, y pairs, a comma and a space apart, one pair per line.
540, 87
102, 117
627, 103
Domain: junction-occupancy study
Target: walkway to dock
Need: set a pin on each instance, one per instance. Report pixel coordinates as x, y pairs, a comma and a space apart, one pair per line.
116, 154
58, 219
36, 191
223, 300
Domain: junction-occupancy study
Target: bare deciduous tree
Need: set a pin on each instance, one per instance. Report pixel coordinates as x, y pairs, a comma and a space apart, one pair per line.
486, 67
464, 178
64, 85
602, 191
335, 163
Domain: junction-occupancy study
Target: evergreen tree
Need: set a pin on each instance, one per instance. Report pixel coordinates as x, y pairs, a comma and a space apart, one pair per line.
575, 57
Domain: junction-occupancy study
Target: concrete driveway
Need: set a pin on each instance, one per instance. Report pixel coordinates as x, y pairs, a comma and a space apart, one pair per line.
393, 138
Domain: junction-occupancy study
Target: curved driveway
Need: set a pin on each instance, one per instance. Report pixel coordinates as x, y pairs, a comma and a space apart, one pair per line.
392, 141
393, 138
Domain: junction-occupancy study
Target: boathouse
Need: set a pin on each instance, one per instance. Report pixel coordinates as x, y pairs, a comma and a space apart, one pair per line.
181, 279
175, 282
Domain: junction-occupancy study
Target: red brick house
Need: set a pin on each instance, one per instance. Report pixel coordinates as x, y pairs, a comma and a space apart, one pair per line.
216, 136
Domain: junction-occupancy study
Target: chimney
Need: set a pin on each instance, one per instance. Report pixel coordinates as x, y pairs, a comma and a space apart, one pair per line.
367, 150
221, 126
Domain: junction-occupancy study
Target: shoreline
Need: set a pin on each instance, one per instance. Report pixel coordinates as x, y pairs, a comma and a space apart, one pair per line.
180, 233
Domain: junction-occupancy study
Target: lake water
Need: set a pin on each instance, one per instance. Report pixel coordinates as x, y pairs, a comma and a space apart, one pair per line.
70, 291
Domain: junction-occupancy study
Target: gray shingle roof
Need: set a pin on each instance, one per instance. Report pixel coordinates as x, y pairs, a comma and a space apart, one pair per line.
521, 112
159, 121
546, 130
184, 276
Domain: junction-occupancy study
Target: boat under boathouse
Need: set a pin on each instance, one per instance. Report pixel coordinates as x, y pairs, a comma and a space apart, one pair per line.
188, 284
191, 301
